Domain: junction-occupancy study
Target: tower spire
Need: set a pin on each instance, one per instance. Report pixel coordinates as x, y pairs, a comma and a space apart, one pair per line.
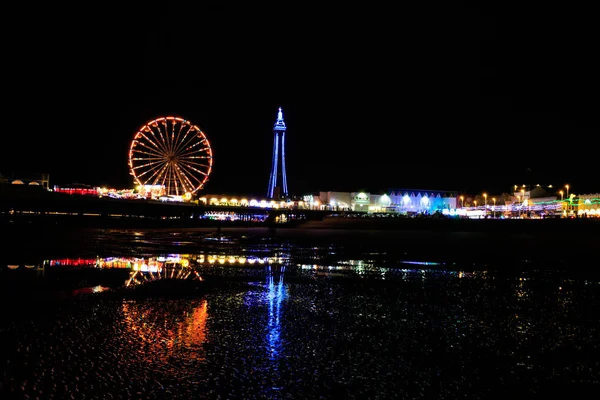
279, 124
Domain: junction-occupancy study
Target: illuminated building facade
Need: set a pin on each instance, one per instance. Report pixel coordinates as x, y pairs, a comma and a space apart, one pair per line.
78, 189
35, 179
588, 205
277, 180
419, 201
336, 200
405, 201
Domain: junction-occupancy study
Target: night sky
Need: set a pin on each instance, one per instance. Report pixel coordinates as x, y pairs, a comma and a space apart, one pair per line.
434, 97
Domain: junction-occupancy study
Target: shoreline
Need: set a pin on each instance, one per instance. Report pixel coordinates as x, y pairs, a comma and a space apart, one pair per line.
558, 241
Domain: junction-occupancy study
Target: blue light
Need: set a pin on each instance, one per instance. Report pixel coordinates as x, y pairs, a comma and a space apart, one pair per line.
276, 295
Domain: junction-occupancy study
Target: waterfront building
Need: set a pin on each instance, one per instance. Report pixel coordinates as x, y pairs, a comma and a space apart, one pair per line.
360, 201
403, 201
536, 202
588, 205
336, 200
33, 179
416, 201
78, 189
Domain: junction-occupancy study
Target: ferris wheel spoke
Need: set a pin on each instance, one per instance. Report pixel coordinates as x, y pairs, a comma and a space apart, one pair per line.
156, 174
183, 179
147, 168
154, 146
163, 128
195, 154
196, 164
152, 154
196, 144
164, 178
190, 151
189, 176
166, 181
173, 136
187, 139
170, 133
191, 154
181, 140
157, 133
147, 164
176, 181
180, 129
193, 168
196, 148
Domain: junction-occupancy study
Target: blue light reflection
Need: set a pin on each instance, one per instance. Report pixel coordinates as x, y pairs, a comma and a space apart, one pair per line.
276, 294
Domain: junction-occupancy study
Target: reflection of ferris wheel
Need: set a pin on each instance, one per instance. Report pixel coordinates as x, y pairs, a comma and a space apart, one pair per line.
171, 152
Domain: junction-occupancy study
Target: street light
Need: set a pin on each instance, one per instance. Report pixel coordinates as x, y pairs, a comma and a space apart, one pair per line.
522, 199
462, 201
568, 198
562, 204
485, 203
494, 210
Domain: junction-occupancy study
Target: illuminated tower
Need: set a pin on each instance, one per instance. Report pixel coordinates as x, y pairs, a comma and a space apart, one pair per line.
278, 181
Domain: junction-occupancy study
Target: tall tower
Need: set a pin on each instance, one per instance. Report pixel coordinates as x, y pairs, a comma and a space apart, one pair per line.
278, 181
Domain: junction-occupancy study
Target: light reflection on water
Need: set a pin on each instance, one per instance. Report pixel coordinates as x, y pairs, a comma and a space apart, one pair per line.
276, 295
178, 331
387, 328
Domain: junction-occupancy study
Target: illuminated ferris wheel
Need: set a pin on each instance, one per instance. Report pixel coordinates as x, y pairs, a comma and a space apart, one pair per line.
173, 153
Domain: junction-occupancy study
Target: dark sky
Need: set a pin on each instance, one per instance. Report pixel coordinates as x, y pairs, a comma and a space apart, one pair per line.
447, 97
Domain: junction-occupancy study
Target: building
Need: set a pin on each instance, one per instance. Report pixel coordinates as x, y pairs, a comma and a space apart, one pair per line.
340, 201
33, 179
588, 205
402, 201
77, 189
418, 201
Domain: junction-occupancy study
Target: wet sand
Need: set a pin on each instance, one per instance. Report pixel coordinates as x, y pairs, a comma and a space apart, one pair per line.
416, 335
505, 328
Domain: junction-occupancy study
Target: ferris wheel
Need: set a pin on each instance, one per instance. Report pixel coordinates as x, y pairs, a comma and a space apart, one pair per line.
173, 153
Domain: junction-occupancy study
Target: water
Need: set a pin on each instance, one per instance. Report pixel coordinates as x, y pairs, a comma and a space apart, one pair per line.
306, 319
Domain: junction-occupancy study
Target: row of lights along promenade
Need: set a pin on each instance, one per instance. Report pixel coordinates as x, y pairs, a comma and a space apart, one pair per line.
95, 211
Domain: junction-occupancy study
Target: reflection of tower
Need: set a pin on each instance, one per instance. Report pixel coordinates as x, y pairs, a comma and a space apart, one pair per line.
276, 295
278, 180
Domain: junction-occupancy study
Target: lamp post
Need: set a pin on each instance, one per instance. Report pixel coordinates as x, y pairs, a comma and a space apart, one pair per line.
522, 198
562, 204
485, 204
462, 201
494, 210
568, 198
